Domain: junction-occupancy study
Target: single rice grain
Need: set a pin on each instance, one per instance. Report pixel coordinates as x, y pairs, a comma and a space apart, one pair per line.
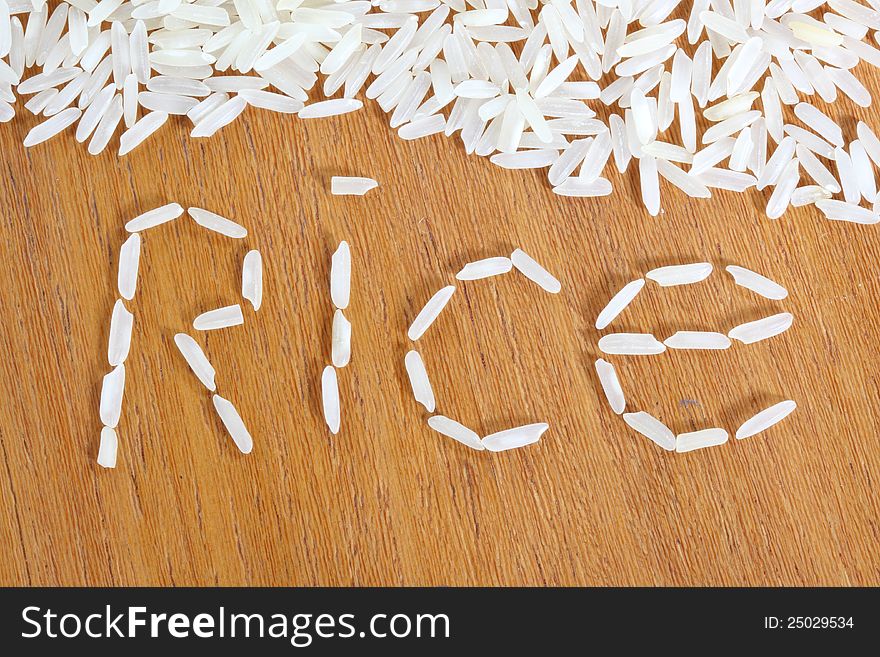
680, 274
619, 302
154, 217
234, 424
217, 223
529, 268
652, 428
514, 438
430, 312
688, 442
455, 430
194, 356
697, 340
330, 399
631, 344
611, 386
765, 419
340, 276
121, 322
252, 278
479, 269
219, 318
129, 263
419, 381
112, 389
351, 186
762, 329
757, 283
340, 347
107, 448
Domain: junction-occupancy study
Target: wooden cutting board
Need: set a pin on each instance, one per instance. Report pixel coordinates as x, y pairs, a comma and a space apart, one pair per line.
388, 501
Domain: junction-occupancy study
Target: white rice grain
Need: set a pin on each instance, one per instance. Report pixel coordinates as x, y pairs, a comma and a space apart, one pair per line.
429, 125
680, 274
455, 430
168, 103
730, 126
119, 342
120, 53
194, 356
252, 278
619, 302
757, 283
843, 211
46, 80
688, 442
765, 419
139, 131
611, 385
808, 195
129, 100
869, 141
129, 263
280, 52
340, 340
581, 188
219, 318
107, 448
340, 276
218, 118
351, 186
430, 312
816, 170
781, 196
650, 184
139, 54
724, 179
206, 107
330, 399
112, 390
234, 424
271, 101
762, 329
217, 223
777, 163
620, 149
51, 127
772, 109
819, 123
418, 380
106, 126
94, 113
485, 268
726, 27
327, 108
652, 428
697, 340
154, 217
850, 85
864, 171
812, 141
686, 182
528, 159
731, 107
514, 438
631, 344
529, 268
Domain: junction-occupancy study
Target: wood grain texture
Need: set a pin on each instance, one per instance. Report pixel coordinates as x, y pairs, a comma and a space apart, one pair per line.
388, 501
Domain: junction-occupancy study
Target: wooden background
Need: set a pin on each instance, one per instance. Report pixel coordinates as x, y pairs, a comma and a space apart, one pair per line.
388, 501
